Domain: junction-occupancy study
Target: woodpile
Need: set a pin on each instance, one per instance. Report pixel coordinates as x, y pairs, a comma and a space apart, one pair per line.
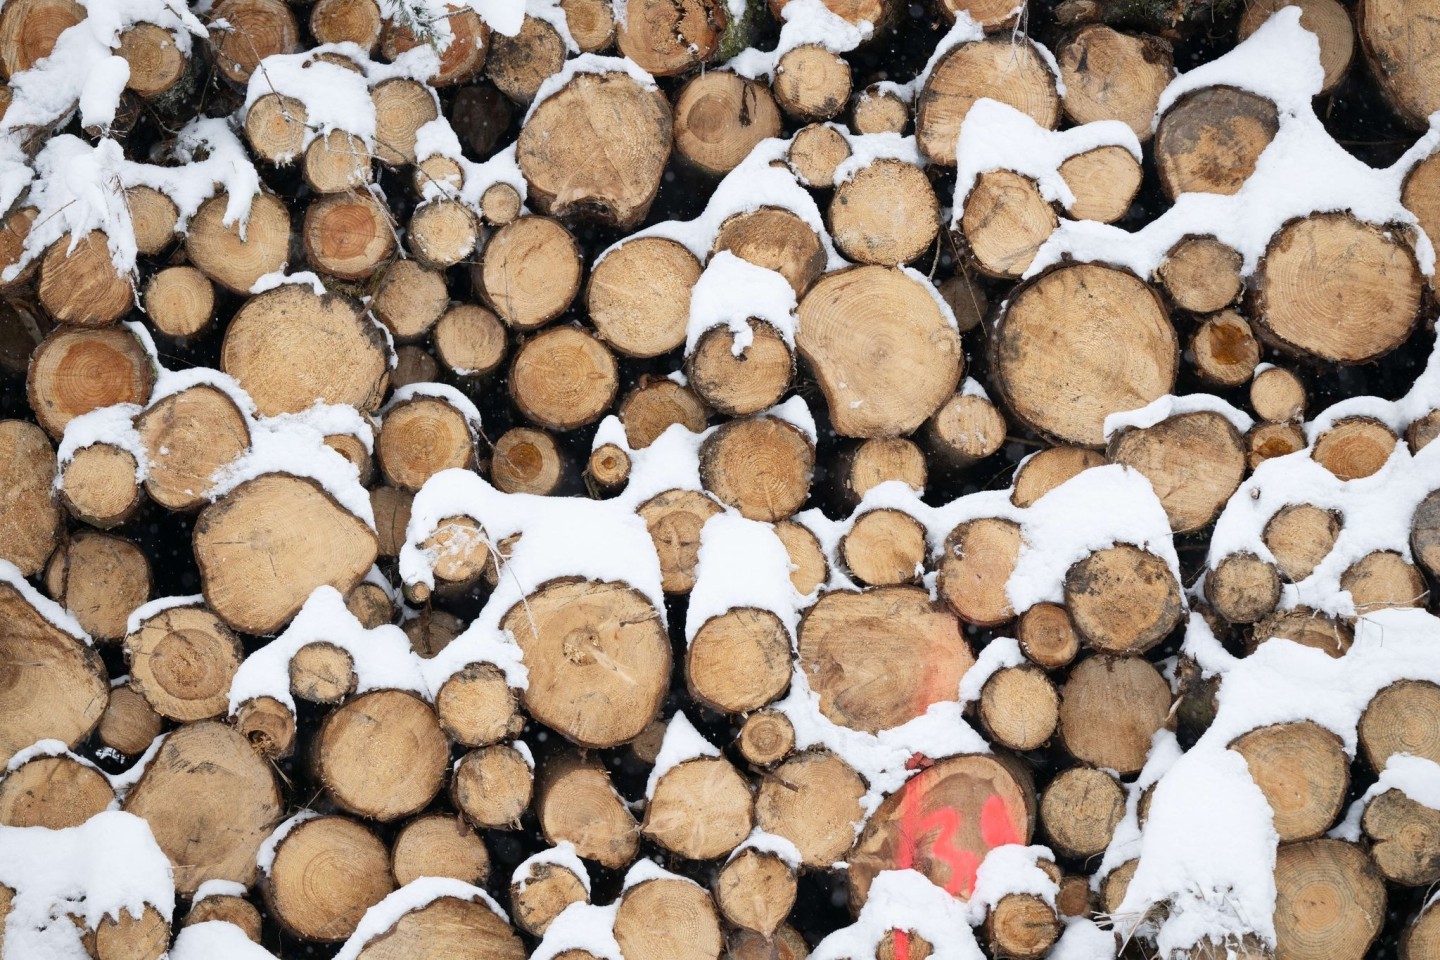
692, 480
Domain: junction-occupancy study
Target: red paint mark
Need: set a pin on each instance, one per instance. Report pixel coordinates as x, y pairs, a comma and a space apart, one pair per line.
996, 826
902, 945
918, 761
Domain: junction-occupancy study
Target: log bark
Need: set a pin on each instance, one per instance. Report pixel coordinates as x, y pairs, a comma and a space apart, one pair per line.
326, 872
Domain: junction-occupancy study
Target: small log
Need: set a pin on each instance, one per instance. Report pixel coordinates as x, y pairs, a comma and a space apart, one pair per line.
1243, 588
420, 437
591, 23
1048, 469
1404, 839
1421, 938
674, 519
567, 175
976, 563
402, 107
182, 661
1005, 220
518, 65
608, 470
1115, 885
720, 117
1080, 810
879, 461
322, 673
1023, 926
382, 755
755, 891
563, 378
1074, 898
276, 127
255, 30
1123, 599
543, 893
529, 272
477, 707
654, 406
31, 521
1104, 181
1300, 536
1013, 73
874, 110
1194, 461
153, 217
337, 162
1355, 447
410, 301
575, 801
1401, 719
667, 919
604, 693
1383, 579
638, 297
460, 60
978, 787
100, 578
1307, 627
668, 39
766, 738
815, 151
1397, 39
1425, 533
738, 384
761, 466
205, 773
886, 214
391, 506
431, 632
461, 550
233, 261
326, 872
1268, 440
226, 908
884, 547
1209, 140
1201, 274
129, 724
700, 809
527, 461
491, 786
1329, 901
128, 937
413, 364
347, 21
1225, 349
442, 233
190, 436
1110, 707
1019, 707
448, 927
82, 285
880, 658
180, 301
776, 239
891, 392
348, 235
878, 12
53, 792
810, 570
268, 726
1302, 770
812, 800
1047, 636
470, 340
1423, 431
739, 660
1055, 340
811, 83
1277, 395
1110, 75
1307, 265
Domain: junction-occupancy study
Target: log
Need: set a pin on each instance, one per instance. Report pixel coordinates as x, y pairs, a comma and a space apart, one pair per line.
348, 235
667, 39
1048, 469
654, 406
766, 738
1382, 579
432, 631
1080, 810
884, 547
1422, 937
1110, 707
1268, 440
567, 175
420, 437
1327, 19
740, 383
402, 107
575, 801
1329, 901
720, 117
268, 726
30, 518
226, 908
591, 23
1423, 431
337, 162
755, 891
263, 547
563, 378
476, 706
527, 461
1005, 220
674, 519
1104, 181
1425, 533
777, 239
189, 436
29, 29
1295, 290
470, 340
182, 661
322, 673
256, 29
1398, 40
518, 65
875, 110
1110, 75
180, 301
739, 660
880, 658
810, 569
1225, 349
153, 216
1201, 274
205, 773
1302, 770
1401, 719
1023, 926
1047, 636
131, 937
99, 578
1277, 395
599, 659
878, 461
811, 83
382, 755
1013, 73
491, 786
812, 800
448, 927
873, 390
1209, 140
607, 471
761, 466
74, 371
542, 893
700, 809
667, 919
943, 821
230, 259
410, 301
1054, 340
1194, 461
129, 724
976, 563
460, 60
289, 347
1355, 447
886, 214
80, 284
878, 12
442, 233
815, 151
1300, 536
1019, 707
1123, 599
1404, 839
53, 792
461, 549
347, 21
326, 872
638, 296
1243, 588
1307, 627
529, 272
275, 127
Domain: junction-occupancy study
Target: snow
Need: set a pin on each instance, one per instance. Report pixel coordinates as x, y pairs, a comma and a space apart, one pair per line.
335, 97
644, 870
442, 392
769, 843
216, 940
218, 888
742, 564
1083, 940
1168, 406
870, 148
999, 654
280, 278
806, 22
265, 856
1416, 777
682, 742
904, 900
581, 926
561, 855
113, 425
46, 748
588, 63
731, 291
157, 606
415, 895
1010, 869
56, 615
109, 864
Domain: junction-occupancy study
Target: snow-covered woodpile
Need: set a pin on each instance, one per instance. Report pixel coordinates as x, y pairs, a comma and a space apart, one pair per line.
683, 479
